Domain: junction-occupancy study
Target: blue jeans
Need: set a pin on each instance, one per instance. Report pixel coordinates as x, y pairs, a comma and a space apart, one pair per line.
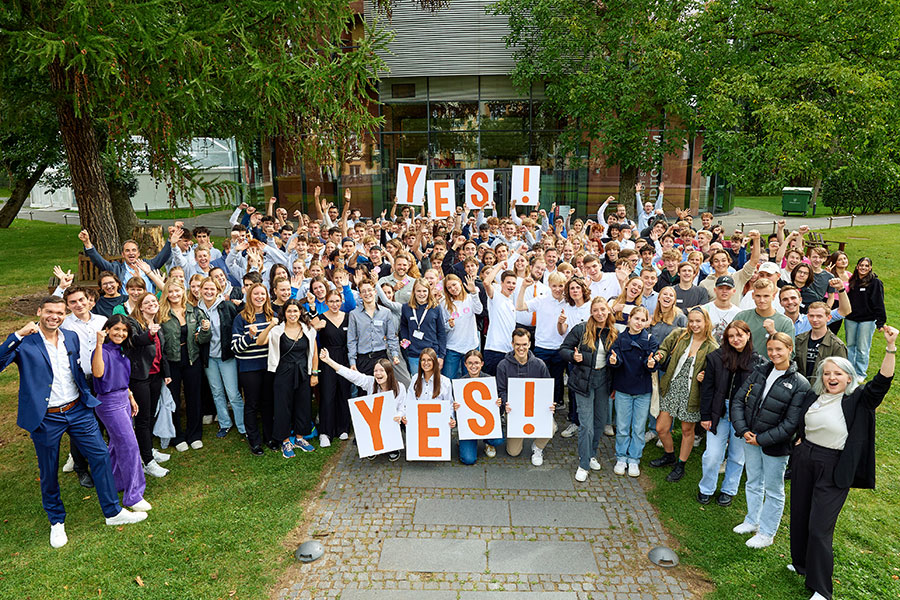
592, 410
468, 449
557, 367
764, 488
859, 344
413, 366
223, 380
453, 364
716, 445
632, 411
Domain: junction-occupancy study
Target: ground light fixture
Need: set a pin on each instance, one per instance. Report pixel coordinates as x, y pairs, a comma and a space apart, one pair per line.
309, 551
662, 557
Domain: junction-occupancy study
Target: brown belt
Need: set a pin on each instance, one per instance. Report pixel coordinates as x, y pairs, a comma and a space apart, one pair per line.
63, 408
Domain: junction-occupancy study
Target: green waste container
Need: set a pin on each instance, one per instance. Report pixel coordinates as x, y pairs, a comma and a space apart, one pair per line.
795, 200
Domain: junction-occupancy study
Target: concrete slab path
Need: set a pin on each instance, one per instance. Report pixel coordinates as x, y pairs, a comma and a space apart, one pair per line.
500, 529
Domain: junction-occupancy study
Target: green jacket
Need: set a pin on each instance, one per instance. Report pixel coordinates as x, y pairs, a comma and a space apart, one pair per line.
672, 348
171, 331
831, 345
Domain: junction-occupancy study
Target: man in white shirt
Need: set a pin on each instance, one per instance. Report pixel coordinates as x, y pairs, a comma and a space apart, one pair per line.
791, 301
721, 311
501, 316
547, 337
770, 271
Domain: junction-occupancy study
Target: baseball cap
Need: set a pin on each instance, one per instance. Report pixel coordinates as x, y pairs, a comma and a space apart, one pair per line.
725, 280
769, 267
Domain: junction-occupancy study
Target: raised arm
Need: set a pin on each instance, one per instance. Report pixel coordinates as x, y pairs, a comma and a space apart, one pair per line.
97, 366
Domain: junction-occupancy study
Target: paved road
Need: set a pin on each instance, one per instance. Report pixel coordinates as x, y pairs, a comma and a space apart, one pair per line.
442, 531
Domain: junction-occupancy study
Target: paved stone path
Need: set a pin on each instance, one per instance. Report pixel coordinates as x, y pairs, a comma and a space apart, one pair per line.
500, 528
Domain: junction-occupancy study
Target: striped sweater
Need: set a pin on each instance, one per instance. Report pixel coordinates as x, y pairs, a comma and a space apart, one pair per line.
250, 357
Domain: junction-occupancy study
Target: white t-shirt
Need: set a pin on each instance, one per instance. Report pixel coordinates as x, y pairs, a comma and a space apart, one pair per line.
770, 380
546, 334
576, 314
721, 318
531, 292
608, 286
502, 315
747, 303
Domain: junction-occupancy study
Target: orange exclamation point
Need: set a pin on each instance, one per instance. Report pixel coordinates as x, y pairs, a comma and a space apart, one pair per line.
529, 404
525, 187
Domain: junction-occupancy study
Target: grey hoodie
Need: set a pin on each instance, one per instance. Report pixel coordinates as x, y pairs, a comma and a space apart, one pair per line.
533, 368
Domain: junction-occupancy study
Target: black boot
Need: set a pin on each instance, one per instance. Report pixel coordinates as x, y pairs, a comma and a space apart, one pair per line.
677, 472
666, 460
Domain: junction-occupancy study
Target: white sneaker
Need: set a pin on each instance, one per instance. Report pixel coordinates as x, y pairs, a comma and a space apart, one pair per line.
581, 474
595, 464
722, 467
324, 442
608, 431
126, 517
182, 447
760, 541
791, 568
633, 470
620, 467
153, 469
569, 431
58, 537
160, 457
648, 436
745, 527
659, 444
697, 442
68, 468
141, 505
817, 596
207, 419
537, 455
490, 451
344, 437
196, 444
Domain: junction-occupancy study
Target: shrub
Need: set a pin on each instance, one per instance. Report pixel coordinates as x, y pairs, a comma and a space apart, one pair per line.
861, 190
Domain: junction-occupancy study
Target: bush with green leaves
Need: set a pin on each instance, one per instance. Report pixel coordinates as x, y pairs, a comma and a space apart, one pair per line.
850, 190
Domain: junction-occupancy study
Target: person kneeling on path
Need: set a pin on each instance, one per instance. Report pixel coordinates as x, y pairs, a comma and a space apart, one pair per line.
468, 449
522, 363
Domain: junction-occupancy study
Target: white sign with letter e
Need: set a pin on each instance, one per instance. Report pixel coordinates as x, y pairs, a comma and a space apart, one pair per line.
428, 431
526, 185
441, 198
373, 424
531, 401
478, 416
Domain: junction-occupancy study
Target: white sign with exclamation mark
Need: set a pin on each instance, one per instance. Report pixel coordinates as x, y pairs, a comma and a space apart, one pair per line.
526, 185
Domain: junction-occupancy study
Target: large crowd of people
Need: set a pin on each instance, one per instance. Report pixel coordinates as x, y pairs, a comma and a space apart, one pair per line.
639, 324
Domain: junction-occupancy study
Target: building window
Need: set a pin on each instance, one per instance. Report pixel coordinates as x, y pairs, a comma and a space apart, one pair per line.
403, 90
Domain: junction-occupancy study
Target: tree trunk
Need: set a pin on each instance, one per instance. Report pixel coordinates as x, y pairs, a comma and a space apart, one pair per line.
628, 177
19, 194
83, 156
123, 212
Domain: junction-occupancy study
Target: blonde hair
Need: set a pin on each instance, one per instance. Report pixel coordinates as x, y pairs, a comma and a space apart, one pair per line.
668, 317
592, 330
707, 326
430, 302
449, 300
249, 313
165, 307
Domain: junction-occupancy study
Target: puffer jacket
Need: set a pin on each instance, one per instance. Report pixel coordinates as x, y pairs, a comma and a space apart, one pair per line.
719, 384
580, 375
773, 418
672, 349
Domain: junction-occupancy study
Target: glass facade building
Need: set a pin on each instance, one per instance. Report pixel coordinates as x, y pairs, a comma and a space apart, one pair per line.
447, 103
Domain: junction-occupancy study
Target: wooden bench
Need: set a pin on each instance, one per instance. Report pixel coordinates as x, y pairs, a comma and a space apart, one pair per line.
814, 239
86, 275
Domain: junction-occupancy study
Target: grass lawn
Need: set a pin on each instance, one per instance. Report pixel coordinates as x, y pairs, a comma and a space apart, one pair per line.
172, 213
4, 192
219, 519
867, 545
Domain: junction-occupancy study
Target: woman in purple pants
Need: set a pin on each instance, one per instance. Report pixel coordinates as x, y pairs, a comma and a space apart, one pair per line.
111, 370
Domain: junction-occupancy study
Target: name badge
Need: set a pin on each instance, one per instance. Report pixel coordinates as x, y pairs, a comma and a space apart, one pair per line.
418, 334
377, 323
862, 289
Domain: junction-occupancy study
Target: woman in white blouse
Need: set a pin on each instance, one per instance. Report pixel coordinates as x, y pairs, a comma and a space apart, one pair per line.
427, 385
836, 452
459, 307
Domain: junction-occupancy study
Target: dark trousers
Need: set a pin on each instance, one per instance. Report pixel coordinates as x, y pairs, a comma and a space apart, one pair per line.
365, 363
292, 407
492, 358
573, 403
815, 505
146, 395
258, 408
209, 407
81, 463
188, 377
557, 367
81, 425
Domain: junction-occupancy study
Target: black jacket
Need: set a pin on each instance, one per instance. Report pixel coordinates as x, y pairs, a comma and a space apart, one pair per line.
227, 312
773, 418
720, 384
867, 302
856, 464
143, 350
580, 374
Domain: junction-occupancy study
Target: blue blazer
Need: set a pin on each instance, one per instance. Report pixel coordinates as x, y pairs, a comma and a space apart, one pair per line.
36, 375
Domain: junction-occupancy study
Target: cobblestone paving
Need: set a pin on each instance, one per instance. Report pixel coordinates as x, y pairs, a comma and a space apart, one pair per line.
364, 508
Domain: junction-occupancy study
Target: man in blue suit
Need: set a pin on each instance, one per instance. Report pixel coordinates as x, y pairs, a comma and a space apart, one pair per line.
54, 398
